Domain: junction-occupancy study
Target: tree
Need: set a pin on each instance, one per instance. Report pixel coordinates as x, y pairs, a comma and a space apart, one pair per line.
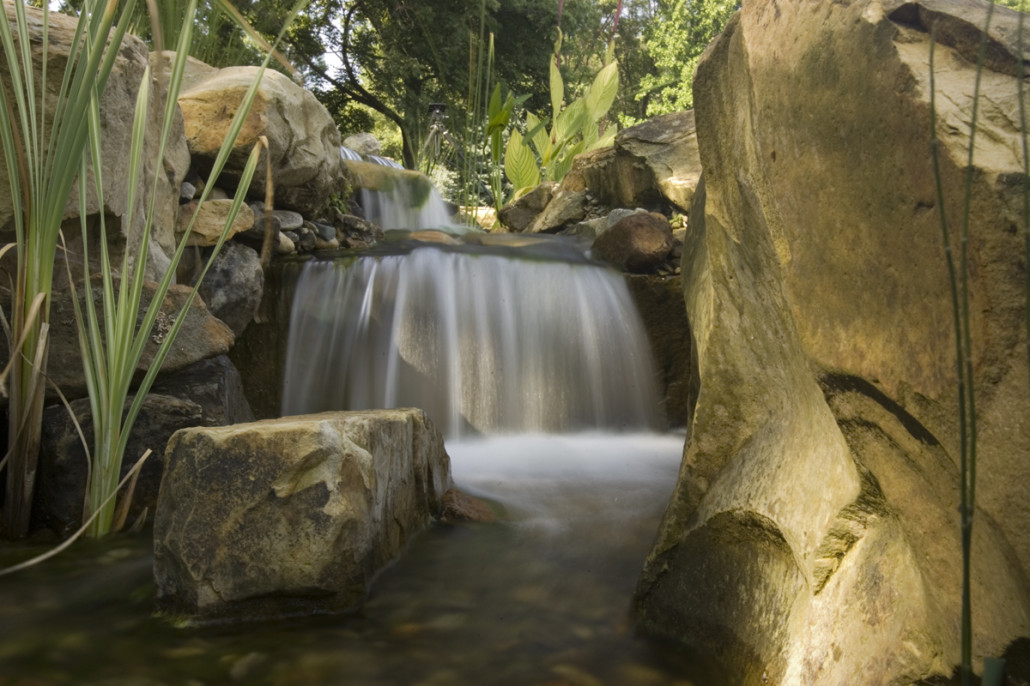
679, 36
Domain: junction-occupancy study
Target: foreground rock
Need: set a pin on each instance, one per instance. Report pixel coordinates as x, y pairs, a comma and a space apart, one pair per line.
813, 537
293, 516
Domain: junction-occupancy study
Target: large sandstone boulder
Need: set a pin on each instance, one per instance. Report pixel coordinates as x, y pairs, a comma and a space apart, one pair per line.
667, 147
304, 144
813, 537
117, 105
292, 516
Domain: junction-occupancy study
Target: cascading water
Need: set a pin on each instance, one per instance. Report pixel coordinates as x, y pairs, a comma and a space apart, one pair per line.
485, 338
486, 343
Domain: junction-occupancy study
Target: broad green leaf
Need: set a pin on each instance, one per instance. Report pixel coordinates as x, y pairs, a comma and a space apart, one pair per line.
520, 164
601, 93
557, 87
494, 106
570, 122
536, 132
560, 168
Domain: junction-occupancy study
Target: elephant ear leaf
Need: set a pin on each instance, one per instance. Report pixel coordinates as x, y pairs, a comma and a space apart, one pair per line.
557, 86
602, 92
520, 164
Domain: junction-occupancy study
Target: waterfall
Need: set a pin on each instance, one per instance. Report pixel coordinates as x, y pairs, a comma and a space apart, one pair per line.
484, 342
410, 202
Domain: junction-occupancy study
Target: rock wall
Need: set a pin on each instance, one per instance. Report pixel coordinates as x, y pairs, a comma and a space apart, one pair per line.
117, 105
813, 537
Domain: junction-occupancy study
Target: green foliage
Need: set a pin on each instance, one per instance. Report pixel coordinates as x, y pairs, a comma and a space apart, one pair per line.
676, 42
44, 157
575, 128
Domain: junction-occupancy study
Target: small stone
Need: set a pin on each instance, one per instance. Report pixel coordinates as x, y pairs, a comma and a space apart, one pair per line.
288, 219
326, 245
462, 507
324, 231
285, 246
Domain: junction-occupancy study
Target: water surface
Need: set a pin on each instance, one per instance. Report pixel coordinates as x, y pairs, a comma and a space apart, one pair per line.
540, 598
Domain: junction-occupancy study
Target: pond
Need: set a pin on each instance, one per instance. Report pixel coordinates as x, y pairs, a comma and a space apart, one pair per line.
539, 598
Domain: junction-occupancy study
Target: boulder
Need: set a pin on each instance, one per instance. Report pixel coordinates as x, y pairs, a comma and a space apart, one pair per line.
211, 218
364, 144
200, 337
813, 537
667, 147
616, 180
303, 140
292, 516
565, 207
117, 105
654, 165
64, 467
233, 286
519, 214
215, 385
638, 243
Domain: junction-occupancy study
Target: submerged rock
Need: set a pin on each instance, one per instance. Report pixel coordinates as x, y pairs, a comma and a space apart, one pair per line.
292, 516
813, 537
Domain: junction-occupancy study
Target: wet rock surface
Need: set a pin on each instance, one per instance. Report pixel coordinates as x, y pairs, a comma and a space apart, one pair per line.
293, 516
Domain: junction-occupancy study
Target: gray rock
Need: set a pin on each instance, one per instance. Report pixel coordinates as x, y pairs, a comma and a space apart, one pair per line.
325, 232
364, 144
215, 385
233, 286
640, 242
288, 221
565, 207
293, 516
63, 466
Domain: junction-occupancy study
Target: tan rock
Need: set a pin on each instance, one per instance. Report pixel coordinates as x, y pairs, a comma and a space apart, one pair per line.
117, 106
566, 207
519, 214
211, 218
303, 140
813, 536
667, 145
638, 243
292, 516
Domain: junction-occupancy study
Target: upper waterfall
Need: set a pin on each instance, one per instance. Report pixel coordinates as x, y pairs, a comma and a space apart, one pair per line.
484, 342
